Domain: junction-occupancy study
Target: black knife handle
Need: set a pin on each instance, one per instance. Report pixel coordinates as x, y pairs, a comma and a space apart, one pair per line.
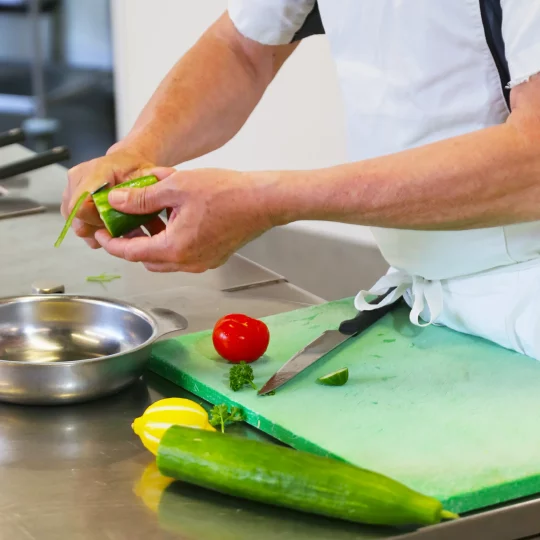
365, 319
11, 137
60, 153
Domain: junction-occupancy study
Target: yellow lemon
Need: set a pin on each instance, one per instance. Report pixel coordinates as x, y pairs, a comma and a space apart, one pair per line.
163, 414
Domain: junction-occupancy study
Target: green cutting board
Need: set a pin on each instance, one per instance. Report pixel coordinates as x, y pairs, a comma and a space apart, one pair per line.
450, 415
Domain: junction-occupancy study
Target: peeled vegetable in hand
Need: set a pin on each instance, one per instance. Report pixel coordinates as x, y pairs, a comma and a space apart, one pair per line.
239, 338
163, 414
117, 223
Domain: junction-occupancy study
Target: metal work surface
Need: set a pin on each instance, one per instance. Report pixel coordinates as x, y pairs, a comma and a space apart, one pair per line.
27, 252
78, 472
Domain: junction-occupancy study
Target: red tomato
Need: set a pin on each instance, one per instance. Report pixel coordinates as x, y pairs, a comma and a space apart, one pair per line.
240, 338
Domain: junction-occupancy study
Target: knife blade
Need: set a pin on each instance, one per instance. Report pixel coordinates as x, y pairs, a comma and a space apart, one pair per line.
327, 342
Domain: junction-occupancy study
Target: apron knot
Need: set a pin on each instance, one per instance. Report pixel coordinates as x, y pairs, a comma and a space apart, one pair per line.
421, 292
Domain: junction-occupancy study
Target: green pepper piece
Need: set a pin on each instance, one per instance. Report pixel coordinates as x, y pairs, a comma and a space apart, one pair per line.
118, 223
103, 278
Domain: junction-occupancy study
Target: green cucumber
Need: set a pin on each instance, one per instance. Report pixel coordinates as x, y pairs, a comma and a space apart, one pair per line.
118, 223
281, 476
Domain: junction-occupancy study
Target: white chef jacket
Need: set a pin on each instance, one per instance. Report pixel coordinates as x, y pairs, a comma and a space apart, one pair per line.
413, 72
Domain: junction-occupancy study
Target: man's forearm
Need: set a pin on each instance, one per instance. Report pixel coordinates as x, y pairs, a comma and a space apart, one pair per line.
484, 179
206, 98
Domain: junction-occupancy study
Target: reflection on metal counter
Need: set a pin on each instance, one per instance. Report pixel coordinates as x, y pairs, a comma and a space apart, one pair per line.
71, 438
193, 512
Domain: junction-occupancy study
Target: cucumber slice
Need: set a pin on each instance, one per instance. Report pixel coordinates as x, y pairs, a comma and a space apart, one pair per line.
336, 378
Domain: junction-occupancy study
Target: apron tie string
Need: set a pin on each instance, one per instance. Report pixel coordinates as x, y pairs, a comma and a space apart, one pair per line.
423, 292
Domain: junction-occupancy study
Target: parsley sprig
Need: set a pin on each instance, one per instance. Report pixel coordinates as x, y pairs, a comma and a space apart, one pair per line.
241, 375
221, 416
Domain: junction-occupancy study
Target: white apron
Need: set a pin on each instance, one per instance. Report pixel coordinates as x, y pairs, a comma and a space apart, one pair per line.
415, 72
501, 305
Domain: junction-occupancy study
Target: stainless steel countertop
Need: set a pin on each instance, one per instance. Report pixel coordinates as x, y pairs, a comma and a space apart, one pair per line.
76, 472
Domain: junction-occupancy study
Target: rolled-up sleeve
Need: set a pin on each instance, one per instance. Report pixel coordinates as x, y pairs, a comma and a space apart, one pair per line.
521, 33
270, 22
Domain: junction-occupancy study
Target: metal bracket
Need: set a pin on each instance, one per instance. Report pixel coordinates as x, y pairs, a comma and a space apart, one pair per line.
256, 285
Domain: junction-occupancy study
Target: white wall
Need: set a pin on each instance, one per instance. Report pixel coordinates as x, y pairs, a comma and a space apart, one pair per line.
299, 123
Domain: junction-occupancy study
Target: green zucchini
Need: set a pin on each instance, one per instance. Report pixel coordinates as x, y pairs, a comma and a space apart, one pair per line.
118, 223
281, 476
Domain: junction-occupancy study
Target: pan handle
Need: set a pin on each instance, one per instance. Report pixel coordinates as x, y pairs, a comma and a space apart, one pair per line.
60, 153
11, 137
168, 320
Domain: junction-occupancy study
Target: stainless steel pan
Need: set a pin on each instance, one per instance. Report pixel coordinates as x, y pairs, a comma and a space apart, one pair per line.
57, 348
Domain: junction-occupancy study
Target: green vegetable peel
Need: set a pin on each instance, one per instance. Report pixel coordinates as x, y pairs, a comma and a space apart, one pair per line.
117, 223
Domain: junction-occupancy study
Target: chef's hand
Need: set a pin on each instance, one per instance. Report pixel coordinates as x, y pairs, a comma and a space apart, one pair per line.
116, 167
212, 214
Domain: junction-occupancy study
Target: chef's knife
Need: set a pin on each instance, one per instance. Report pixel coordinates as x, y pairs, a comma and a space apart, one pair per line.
326, 342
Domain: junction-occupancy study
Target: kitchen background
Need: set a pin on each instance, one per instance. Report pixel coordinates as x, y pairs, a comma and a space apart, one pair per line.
102, 59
